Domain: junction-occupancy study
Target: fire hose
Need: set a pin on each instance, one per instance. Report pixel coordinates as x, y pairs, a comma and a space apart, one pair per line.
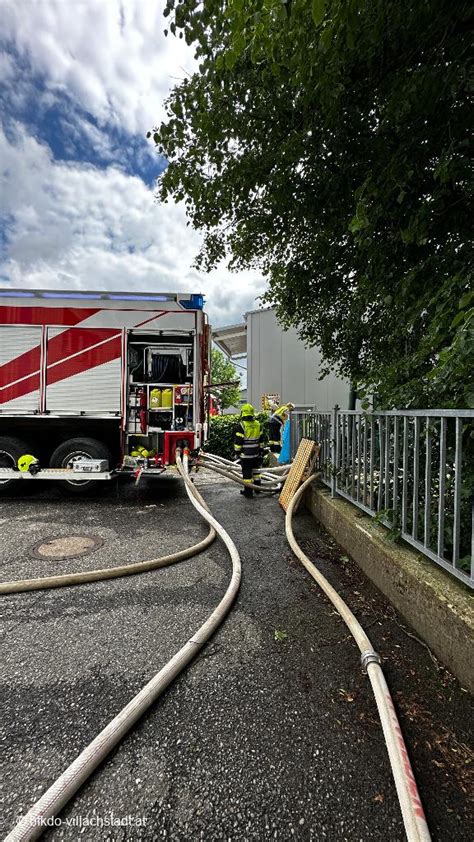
410, 803
272, 473
57, 796
68, 579
271, 481
31, 826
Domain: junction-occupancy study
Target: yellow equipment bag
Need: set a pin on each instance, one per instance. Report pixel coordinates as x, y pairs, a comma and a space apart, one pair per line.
167, 398
155, 399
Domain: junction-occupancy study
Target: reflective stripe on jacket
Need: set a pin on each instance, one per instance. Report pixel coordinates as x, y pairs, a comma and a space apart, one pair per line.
276, 419
248, 439
275, 426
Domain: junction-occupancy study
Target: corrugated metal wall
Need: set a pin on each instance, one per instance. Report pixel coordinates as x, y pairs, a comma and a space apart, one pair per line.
279, 363
20, 359
96, 389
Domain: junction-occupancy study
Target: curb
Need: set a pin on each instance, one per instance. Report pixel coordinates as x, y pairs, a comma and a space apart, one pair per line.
438, 607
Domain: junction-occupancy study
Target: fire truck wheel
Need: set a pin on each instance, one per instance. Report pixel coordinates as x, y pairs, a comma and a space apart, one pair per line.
73, 448
10, 451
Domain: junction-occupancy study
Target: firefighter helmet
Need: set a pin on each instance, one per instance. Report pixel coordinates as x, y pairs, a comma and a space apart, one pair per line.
247, 411
28, 464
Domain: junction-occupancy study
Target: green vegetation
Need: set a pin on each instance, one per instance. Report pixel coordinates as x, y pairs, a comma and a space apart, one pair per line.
326, 143
222, 371
221, 433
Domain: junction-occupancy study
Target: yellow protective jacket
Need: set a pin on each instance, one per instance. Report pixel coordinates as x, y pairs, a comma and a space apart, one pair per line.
248, 439
281, 411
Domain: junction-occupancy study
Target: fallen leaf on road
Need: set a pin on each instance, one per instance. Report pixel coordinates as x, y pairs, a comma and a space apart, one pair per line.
347, 696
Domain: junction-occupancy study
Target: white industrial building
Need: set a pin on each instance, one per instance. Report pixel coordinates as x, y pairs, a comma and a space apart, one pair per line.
278, 363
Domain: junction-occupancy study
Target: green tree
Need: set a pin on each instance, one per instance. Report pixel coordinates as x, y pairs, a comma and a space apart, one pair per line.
326, 142
222, 371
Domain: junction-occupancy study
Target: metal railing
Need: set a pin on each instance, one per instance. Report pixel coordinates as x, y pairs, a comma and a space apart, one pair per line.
411, 469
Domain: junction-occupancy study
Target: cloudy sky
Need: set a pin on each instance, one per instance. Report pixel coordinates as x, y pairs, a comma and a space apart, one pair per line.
81, 82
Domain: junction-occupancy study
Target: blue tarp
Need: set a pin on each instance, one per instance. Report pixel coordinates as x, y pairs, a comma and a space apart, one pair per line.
284, 456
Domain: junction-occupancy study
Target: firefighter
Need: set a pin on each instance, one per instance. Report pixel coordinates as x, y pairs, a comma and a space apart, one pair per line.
248, 448
276, 423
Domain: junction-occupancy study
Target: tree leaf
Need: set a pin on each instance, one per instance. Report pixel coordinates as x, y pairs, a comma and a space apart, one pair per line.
347, 190
458, 319
318, 9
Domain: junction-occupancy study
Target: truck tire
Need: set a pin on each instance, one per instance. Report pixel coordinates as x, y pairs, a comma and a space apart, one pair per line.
10, 451
72, 448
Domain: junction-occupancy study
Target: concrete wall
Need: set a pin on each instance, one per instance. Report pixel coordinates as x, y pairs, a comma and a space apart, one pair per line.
438, 607
279, 363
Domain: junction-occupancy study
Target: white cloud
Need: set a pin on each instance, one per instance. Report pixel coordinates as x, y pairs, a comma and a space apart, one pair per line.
7, 69
110, 55
73, 225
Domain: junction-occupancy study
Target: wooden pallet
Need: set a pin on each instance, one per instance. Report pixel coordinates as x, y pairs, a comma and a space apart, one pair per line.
306, 455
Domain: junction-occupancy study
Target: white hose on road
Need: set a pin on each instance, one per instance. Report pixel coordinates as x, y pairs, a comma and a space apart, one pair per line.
32, 825
103, 573
410, 803
86, 576
232, 472
275, 473
265, 488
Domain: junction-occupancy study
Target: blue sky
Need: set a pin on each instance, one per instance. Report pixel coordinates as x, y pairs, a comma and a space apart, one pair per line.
71, 132
78, 92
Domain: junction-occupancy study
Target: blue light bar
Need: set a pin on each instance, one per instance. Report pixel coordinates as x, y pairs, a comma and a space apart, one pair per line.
16, 294
140, 297
80, 295
196, 302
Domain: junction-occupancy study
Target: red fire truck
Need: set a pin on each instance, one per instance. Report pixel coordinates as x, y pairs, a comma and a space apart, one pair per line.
93, 383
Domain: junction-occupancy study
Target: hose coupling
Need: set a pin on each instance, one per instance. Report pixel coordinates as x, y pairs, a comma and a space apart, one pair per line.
369, 657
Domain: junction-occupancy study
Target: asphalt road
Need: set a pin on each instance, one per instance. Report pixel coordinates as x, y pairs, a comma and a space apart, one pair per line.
271, 733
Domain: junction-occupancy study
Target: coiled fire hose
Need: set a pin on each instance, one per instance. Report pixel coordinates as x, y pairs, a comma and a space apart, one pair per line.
410, 803
56, 797
271, 483
275, 472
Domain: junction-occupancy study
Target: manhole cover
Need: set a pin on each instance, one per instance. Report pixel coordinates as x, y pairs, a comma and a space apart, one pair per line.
68, 546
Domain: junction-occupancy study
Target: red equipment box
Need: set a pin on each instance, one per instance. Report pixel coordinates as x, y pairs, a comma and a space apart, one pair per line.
172, 439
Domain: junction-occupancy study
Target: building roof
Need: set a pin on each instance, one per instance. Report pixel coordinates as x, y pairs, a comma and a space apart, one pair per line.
258, 310
232, 339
